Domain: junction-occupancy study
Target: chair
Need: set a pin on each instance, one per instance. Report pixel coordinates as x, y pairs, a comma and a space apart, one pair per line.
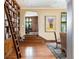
63, 37
57, 38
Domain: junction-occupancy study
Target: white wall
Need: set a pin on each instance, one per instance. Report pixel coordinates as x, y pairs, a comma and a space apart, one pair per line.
41, 21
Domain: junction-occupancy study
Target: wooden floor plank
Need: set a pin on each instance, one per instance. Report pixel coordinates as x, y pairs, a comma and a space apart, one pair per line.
34, 48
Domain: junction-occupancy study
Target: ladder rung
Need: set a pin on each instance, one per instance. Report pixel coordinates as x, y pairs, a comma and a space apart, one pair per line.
20, 55
17, 42
15, 39
19, 52
18, 49
17, 46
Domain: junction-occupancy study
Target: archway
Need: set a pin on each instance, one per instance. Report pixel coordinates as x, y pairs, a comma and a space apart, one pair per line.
31, 23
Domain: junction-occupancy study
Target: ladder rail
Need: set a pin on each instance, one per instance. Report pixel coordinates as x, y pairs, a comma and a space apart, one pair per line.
11, 28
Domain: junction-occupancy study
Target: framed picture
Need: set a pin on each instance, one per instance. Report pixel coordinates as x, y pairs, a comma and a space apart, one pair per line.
50, 23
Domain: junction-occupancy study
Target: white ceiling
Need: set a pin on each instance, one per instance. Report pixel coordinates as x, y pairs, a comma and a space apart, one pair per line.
42, 3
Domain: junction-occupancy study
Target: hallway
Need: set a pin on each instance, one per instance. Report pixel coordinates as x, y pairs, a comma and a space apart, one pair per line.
33, 47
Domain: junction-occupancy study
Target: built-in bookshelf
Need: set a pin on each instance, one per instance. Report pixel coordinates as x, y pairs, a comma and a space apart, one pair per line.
14, 10
12, 24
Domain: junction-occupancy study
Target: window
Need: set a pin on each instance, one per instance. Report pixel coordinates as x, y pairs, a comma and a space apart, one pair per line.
63, 22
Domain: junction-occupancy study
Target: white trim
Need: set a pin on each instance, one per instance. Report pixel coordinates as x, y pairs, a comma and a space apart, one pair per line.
41, 8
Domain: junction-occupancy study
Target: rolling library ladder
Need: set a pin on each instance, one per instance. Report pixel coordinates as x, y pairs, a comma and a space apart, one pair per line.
12, 13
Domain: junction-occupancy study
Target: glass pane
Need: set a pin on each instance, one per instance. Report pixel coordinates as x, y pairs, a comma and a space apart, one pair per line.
28, 25
64, 18
30, 19
64, 22
26, 19
64, 27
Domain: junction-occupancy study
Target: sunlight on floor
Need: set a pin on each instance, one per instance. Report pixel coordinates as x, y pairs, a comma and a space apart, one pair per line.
29, 51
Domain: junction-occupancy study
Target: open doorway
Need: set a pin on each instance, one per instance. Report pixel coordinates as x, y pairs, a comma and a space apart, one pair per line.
31, 23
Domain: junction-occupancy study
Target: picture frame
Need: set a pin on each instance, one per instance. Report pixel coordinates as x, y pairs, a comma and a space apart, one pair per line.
50, 23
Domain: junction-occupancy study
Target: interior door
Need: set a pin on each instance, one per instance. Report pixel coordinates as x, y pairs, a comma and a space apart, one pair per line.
34, 24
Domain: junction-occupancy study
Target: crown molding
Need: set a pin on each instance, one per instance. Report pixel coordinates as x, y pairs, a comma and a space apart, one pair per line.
40, 8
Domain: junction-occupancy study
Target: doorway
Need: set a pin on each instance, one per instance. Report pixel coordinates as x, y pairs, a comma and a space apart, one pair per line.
31, 25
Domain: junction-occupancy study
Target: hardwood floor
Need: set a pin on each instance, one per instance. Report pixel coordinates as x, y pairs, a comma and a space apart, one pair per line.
33, 48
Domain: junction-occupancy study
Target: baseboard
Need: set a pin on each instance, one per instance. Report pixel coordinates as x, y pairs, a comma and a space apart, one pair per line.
58, 42
50, 40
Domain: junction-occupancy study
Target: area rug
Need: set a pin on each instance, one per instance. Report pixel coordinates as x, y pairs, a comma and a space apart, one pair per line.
57, 51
